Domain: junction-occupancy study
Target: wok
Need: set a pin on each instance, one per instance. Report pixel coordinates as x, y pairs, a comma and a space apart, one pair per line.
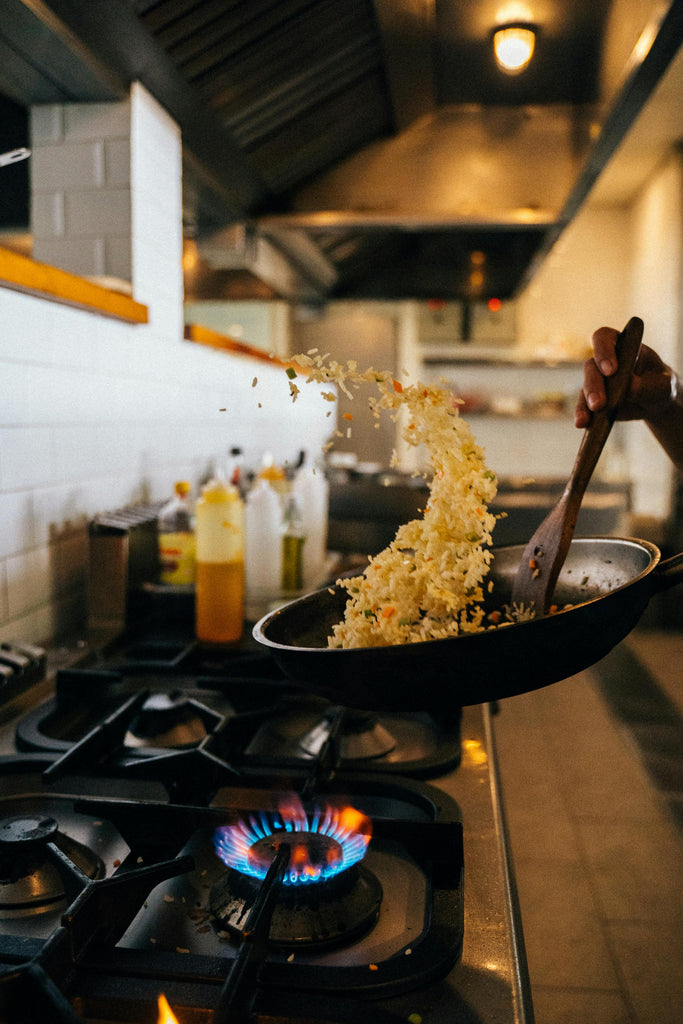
608, 581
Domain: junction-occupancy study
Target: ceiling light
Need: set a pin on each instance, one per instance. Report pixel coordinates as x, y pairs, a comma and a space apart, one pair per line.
513, 46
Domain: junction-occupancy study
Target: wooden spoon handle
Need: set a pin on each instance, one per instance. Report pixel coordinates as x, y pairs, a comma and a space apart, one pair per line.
616, 388
545, 553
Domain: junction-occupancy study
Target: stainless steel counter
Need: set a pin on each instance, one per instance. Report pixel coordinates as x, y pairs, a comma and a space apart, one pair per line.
491, 984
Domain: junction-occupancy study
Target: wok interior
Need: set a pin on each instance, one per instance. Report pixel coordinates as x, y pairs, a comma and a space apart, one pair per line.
593, 568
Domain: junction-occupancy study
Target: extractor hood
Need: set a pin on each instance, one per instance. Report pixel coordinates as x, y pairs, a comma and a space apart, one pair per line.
359, 149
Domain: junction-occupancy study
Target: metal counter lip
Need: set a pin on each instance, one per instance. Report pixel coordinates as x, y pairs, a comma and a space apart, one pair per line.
492, 978
522, 984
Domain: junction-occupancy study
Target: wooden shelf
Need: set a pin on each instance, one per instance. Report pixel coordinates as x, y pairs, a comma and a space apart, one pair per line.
20, 273
214, 339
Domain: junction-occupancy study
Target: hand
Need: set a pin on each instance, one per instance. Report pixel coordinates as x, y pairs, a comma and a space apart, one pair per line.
650, 392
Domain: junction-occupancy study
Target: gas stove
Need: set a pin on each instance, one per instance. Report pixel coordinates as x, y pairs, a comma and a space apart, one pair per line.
185, 824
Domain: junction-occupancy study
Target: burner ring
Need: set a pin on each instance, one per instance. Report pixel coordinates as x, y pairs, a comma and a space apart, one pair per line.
311, 854
334, 912
24, 831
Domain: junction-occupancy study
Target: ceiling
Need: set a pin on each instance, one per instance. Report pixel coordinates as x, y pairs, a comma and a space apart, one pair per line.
351, 148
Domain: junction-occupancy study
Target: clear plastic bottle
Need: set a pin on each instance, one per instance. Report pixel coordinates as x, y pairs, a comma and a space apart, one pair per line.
263, 516
219, 529
176, 538
311, 489
293, 538
274, 474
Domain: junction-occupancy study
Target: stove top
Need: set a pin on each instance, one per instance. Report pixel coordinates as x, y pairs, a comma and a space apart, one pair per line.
185, 823
150, 695
133, 890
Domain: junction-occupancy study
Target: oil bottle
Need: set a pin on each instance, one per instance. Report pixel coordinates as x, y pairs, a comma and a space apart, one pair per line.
293, 538
176, 538
219, 532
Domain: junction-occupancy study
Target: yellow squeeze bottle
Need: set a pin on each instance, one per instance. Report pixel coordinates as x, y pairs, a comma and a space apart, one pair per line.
219, 585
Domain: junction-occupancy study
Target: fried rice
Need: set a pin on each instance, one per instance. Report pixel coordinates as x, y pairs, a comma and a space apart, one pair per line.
429, 582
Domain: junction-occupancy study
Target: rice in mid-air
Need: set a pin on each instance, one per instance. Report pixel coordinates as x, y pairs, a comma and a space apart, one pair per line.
429, 582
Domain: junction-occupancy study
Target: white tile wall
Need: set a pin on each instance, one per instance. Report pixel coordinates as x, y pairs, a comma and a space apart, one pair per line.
80, 187
113, 415
96, 413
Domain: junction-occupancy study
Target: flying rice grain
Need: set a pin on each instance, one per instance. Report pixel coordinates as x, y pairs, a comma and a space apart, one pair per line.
429, 582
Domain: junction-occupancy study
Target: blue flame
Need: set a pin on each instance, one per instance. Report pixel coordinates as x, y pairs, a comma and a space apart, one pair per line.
233, 842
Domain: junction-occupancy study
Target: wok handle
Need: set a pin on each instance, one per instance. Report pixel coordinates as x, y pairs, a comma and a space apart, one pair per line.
669, 573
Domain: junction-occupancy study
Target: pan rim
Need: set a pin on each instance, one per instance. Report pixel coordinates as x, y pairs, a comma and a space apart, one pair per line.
655, 555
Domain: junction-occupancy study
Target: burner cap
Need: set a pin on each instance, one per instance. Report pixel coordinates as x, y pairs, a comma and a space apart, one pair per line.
166, 720
30, 880
331, 912
361, 736
24, 831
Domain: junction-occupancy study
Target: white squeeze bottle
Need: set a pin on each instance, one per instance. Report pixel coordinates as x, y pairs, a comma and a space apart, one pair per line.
263, 517
176, 538
311, 489
219, 532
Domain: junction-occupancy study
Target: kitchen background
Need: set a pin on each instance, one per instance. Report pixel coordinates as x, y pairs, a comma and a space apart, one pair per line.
124, 375
99, 411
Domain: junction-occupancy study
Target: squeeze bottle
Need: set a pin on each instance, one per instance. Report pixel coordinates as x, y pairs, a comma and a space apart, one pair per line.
219, 531
176, 538
263, 515
311, 490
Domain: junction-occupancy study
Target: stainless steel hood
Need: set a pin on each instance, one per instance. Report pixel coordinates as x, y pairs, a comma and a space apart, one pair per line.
351, 149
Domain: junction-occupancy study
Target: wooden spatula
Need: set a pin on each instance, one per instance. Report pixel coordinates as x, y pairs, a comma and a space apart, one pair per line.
545, 553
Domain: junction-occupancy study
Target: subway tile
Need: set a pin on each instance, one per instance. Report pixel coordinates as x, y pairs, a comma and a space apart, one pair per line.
18, 523
77, 454
4, 607
75, 334
53, 394
81, 256
96, 120
118, 257
29, 581
68, 166
92, 214
26, 334
47, 124
27, 457
34, 626
117, 162
47, 215
15, 401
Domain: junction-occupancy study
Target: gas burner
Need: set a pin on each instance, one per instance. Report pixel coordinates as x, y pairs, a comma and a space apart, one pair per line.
361, 736
166, 720
415, 744
321, 845
331, 912
325, 897
30, 877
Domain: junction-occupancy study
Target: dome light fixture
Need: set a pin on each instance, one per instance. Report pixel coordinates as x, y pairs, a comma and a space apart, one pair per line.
513, 46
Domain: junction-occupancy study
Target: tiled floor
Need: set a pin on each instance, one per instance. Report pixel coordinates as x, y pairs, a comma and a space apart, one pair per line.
592, 774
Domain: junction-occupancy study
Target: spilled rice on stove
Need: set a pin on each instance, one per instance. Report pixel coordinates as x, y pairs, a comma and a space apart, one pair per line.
429, 582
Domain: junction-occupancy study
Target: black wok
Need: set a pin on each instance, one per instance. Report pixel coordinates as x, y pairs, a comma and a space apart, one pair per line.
607, 580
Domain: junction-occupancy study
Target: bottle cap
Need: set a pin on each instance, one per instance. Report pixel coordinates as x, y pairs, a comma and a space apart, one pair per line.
183, 487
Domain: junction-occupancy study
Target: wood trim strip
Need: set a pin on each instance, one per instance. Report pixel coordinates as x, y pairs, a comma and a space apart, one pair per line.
20, 273
207, 336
